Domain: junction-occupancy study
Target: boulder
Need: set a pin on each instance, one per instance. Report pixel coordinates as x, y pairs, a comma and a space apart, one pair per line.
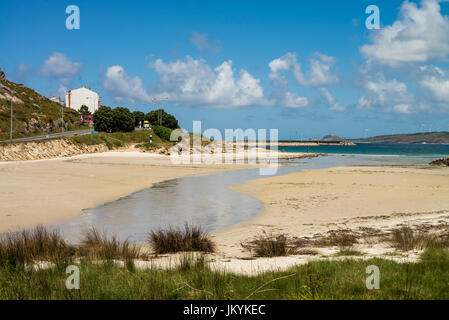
440, 162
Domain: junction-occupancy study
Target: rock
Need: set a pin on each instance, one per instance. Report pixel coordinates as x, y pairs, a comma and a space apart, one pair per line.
2, 75
440, 162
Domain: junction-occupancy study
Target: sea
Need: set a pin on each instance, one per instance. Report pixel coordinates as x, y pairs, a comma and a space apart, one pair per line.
386, 153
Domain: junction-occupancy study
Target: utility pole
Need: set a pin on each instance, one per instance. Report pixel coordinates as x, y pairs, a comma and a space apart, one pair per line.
62, 117
10, 133
158, 103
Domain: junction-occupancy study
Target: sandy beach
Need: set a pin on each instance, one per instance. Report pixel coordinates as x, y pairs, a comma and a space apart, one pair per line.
50, 191
315, 201
301, 204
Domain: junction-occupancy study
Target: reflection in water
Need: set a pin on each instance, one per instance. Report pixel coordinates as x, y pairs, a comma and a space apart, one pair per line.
204, 200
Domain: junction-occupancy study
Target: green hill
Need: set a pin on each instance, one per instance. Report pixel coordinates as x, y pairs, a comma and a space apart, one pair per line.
32, 112
427, 137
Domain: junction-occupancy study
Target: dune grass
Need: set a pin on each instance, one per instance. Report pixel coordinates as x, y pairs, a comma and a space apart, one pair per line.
172, 240
102, 278
98, 245
270, 245
17, 250
405, 239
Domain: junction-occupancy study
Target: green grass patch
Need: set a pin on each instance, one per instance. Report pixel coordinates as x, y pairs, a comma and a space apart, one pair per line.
119, 139
427, 279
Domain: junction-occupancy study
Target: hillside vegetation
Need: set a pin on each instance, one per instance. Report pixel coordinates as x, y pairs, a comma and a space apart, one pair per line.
427, 137
32, 112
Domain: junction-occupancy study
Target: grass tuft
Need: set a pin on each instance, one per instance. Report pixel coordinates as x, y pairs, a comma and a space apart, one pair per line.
405, 239
268, 245
98, 245
191, 238
39, 244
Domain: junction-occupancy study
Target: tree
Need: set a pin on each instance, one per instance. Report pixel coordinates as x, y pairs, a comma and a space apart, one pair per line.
160, 117
123, 120
84, 110
138, 117
104, 119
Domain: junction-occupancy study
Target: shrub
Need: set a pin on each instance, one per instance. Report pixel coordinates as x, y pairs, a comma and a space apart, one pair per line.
178, 240
162, 132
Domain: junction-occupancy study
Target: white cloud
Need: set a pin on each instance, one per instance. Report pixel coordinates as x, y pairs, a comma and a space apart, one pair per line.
202, 43
193, 82
333, 104
419, 35
320, 72
279, 82
59, 67
436, 81
388, 95
122, 87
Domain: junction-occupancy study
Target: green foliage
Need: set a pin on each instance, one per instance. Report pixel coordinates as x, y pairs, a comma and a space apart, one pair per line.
138, 117
84, 110
117, 139
123, 120
103, 119
163, 132
113, 120
161, 118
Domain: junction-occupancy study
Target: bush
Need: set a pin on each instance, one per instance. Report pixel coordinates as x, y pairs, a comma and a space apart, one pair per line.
162, 132
271, 246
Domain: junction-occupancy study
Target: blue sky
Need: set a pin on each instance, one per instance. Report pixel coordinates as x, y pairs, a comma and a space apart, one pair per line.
308, 68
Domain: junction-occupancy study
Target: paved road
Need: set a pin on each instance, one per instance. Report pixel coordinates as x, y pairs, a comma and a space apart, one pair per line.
52, 136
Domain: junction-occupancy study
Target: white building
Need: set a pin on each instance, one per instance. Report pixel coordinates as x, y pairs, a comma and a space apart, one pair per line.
56, 99
83, 96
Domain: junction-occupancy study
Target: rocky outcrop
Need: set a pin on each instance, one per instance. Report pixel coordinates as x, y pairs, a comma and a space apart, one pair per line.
440, 162
2, 75
46, 150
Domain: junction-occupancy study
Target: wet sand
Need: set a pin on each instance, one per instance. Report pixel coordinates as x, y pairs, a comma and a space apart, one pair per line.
51, 191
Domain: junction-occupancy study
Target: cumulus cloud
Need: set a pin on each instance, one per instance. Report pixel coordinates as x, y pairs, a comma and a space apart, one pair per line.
279, 82
420, 34
123, 87
61, 68
320, 72
194, 82
388, 95
202, 43
333, 104
436, 81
